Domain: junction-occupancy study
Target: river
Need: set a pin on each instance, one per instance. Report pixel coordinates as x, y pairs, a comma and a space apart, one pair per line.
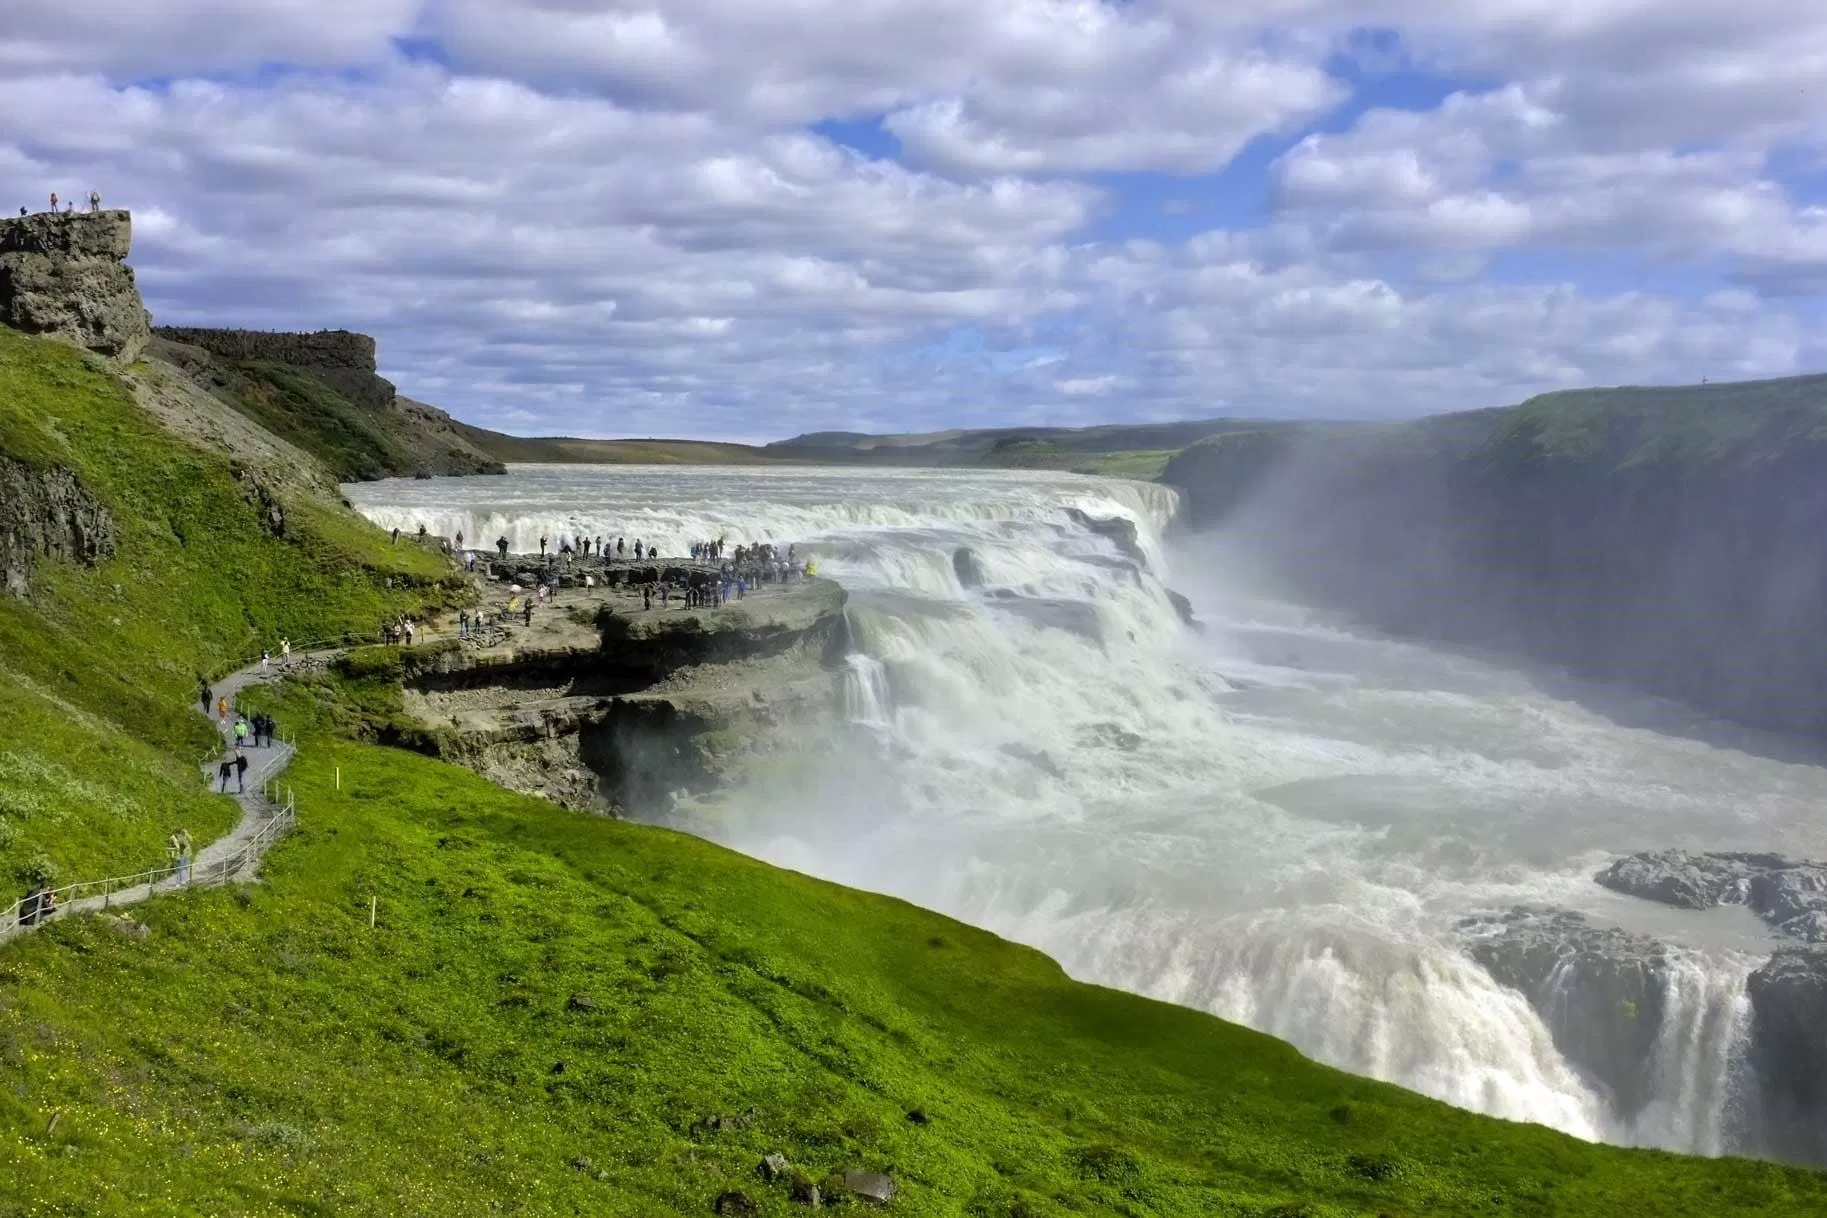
1276, 818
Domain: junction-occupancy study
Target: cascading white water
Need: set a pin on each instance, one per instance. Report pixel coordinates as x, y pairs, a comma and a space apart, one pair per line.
866, 697
1278, 820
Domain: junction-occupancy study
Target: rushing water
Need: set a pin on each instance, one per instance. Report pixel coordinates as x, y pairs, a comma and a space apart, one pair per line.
1277, 820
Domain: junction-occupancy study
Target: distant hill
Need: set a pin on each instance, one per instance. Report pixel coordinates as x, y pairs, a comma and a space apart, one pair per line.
1119, 450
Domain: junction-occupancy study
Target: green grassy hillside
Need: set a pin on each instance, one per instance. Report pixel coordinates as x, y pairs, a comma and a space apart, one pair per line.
559, 1014
99, 666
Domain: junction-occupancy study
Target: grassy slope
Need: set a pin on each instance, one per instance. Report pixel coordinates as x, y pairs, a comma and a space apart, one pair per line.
344, 436
568, 450
266, 1052
95, 748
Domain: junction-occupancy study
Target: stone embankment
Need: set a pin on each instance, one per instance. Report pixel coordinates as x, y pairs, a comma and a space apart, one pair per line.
66, 277
603, 704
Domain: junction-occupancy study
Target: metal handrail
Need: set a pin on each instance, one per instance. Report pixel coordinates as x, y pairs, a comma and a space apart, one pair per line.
27, 913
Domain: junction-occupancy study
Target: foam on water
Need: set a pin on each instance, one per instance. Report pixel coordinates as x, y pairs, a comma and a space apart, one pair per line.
1278, 821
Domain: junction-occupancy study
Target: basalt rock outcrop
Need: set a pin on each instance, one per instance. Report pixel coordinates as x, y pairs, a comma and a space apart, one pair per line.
1600, 990
1789, 1052
65, 276
321, 392
341, 359
1789, 894
1784, 1112
47, 513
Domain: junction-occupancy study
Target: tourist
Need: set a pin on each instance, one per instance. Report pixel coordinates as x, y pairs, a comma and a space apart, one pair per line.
266, 658
637, 549
527, 609
285, 648
542, 547
459, 539
53, 202
95, 200
396, 536
646, 595
223, 771
240, 729
463, 624
240, 772
501, 543
178, 847
409, 629
208, 695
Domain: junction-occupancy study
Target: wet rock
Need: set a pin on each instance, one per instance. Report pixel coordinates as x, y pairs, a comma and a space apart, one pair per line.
1074, 617
1184, 608
580, 1002
1033, 757
1789, 894
968, 566
733, 1203
774, 1167
1110, 736
1600, 990
1118, 530
871, 1186
1675, 877
1789, 1053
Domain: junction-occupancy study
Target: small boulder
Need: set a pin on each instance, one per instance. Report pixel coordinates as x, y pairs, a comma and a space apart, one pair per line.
733, 1203
871, 1186
774, 1167
131, 928
580, 1002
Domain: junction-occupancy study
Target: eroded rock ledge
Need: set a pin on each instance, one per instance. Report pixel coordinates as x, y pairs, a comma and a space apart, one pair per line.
47, 513
607, 706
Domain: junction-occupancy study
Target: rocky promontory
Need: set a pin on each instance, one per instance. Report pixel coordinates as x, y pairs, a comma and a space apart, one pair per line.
65, 275
603, 703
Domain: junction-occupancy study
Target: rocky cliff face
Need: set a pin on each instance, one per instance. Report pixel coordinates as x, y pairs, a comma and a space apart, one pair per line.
320, 392
605, 705
65, 276
1600, 990
341, 359
1668, 540
47, 513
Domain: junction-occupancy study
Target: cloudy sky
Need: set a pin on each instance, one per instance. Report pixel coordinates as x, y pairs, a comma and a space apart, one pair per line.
751, 218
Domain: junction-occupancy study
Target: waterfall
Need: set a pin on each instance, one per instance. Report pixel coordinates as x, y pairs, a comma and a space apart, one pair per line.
1279, 820
866, 697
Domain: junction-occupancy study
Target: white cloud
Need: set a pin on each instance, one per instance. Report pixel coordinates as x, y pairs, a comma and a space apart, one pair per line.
618, 217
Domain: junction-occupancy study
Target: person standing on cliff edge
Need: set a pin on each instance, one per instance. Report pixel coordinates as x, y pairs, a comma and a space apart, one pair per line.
53, 202
95, 200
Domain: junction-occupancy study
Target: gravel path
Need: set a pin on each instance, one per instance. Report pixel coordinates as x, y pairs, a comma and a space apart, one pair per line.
237, 853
